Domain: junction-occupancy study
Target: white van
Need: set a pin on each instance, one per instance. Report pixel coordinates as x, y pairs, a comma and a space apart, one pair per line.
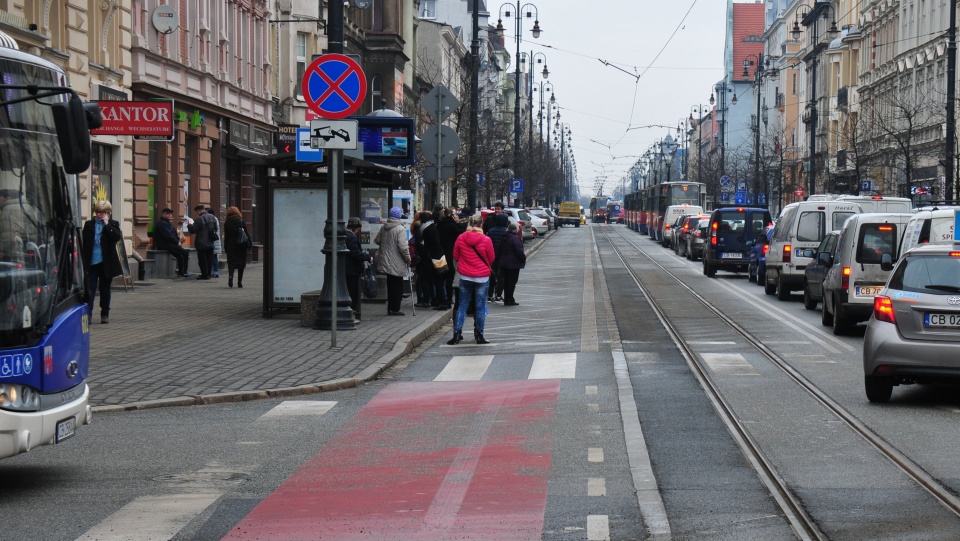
936, 225
854, 276
878, 203
801, 226
670, 216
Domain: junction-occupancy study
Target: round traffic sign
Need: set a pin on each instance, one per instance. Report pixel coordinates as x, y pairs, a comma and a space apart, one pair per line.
334, 86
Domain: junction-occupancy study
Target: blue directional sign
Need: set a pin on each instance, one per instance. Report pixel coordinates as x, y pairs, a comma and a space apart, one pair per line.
866, 186
479, 178
305, 153
762, 198
725, 197
516, 185
956, 226
740, 198
741, 185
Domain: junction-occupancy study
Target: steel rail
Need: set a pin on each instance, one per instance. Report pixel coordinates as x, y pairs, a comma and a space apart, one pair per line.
913, 470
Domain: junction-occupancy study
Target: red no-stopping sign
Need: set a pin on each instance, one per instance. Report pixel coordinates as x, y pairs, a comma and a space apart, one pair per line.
334, 86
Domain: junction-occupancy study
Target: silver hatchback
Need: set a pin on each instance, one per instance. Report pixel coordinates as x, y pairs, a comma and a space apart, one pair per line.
913, 335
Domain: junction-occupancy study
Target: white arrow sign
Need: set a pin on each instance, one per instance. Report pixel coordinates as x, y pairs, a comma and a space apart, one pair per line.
333, 134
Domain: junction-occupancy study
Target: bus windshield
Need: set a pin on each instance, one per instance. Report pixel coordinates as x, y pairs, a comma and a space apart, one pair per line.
38, 261
685, 194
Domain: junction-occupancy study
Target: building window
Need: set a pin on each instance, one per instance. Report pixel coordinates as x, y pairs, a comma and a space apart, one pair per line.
794, 84
301, 61
376, 93
428, 9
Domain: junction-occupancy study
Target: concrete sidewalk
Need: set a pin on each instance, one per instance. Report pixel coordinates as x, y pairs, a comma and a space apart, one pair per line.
184, 341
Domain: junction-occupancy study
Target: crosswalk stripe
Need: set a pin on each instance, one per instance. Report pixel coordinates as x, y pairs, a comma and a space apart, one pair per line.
150, 518
729, 364
298, 408
465, 368
554, 366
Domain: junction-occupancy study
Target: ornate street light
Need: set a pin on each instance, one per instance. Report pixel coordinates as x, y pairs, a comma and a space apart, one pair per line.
529, 11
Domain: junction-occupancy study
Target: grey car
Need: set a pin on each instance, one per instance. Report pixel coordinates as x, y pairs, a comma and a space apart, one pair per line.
913, 335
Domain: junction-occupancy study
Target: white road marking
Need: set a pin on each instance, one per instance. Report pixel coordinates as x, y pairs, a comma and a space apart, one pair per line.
150, 518
596, 486
298, 408
465, 368
554, 366
593, 408
595, 454
644, 480
729, 364
598, 528
591, 390
709, 343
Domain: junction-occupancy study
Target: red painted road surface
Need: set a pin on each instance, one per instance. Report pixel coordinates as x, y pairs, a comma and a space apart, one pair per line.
424, 461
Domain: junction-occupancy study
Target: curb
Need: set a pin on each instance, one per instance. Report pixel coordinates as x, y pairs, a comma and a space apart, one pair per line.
403, 347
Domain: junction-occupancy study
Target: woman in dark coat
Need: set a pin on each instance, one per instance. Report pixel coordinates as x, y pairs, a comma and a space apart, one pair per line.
512, 259
236, 252
449, 230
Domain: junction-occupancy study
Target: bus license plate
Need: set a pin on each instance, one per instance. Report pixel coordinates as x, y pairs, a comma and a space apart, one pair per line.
868, 291
66, 429
731, 255
945, 321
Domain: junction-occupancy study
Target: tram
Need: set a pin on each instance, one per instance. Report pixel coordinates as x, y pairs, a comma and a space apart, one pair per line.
598, 208
644, 208
44, 323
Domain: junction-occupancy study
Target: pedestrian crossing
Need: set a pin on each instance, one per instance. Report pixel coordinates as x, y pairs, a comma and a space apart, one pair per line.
477, 367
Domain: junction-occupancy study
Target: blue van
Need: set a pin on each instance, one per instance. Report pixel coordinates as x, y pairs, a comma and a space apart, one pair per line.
730, 235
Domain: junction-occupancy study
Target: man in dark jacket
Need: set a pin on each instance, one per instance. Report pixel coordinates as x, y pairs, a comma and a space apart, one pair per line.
497, 234
511, 260
430, 239
165, 237
490, 221
204, 227
449, 229
101, 261
354, 264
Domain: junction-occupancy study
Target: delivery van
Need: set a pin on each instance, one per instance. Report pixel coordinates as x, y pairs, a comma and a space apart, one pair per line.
854, 276
569, 214
801, 227
929, 225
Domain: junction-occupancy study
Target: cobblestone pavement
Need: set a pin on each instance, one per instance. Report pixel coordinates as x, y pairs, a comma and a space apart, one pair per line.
186, 341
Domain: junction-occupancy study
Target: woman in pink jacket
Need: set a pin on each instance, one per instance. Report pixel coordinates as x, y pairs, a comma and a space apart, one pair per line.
473, 254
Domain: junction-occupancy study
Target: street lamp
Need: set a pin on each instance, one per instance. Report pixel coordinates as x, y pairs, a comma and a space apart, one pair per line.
683, 135
530, 12
668, 148
699, 109
722, 89
808, 17
540, 57
762, 70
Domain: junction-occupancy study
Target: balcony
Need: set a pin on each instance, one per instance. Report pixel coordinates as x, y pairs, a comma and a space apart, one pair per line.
842, 97
781, 100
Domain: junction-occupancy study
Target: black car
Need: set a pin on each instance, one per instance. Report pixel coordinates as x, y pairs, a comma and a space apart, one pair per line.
816, 271
730, 235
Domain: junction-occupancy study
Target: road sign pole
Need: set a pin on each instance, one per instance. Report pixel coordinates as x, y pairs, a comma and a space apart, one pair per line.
334, 307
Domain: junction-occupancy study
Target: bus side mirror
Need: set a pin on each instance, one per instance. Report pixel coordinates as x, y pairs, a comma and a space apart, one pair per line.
73, 133
886, 262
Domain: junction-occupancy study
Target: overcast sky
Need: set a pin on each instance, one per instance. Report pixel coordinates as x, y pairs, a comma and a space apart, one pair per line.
600, 102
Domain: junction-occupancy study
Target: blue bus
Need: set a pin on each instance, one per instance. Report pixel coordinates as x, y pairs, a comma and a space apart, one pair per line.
44, 332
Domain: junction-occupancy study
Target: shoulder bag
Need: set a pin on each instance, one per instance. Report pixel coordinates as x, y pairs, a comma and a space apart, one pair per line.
243, 240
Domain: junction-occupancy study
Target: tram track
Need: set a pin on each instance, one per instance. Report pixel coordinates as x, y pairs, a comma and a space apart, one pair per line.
804, 526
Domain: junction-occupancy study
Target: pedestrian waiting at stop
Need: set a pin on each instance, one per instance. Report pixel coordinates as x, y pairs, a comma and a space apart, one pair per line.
204, 229
510, 260
235, 248
354, 264
473, 254
497, 234
168, 238
393, 258
217, 245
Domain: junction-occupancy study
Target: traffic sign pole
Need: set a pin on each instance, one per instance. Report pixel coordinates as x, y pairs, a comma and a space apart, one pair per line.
334, 88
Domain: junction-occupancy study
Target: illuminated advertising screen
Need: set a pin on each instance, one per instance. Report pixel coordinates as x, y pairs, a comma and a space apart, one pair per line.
387, 140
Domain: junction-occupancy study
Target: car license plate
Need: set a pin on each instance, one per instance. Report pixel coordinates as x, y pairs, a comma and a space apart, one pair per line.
868, 291
944, 321
731, 255
66, 429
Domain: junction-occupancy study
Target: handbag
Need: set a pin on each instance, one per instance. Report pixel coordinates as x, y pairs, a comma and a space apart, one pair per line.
369, 279
440, 265
212, 232
243, 240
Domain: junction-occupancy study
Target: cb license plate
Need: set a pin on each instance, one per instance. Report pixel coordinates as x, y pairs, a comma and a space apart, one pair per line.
942, 321
66, 429
731, 255
868, 291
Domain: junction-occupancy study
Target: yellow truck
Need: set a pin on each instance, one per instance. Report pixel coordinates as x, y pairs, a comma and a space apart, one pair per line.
569, 214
